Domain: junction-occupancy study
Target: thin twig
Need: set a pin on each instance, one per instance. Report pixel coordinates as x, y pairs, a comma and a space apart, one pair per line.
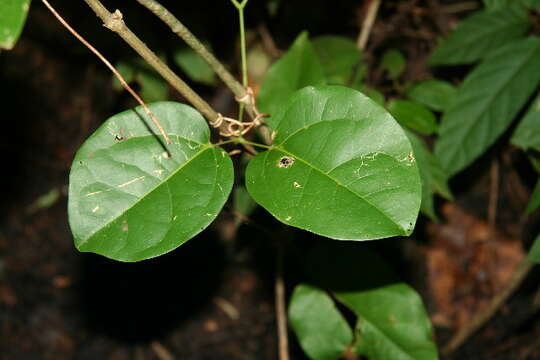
183, 32
114, 21
281, 312
367, 24
111, 67
483, 316
161, 351
493, 193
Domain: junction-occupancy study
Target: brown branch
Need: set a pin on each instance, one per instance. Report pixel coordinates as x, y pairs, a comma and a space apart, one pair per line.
240, 92
367, 24
111, 67
281, 312
114, 21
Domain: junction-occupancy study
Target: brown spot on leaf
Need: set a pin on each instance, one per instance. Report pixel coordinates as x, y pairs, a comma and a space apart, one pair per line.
285, 162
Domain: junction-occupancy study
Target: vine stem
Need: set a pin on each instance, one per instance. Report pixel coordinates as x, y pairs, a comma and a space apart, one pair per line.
281, 308
240, 7
115, 22
367, 24
185, 34
110, 66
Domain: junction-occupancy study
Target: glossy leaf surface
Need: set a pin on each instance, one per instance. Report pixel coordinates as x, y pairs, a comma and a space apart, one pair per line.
322, 331
340, 167
479, 35
299, 67
12, 18
487, 103
339, 56
527, 133
435, 94
133, 198
392, 321
414, 116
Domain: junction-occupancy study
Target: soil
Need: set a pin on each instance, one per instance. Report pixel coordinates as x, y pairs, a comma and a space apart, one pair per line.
213, 298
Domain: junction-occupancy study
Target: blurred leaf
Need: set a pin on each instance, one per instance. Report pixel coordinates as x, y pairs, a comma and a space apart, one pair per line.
392, 322
44, 201
243, 202
435, 94
487, 102
527, 133
497, 4
299, 67
132, 198
194, 66
414, 116
394, 63
534, 201
12, 18
532, 4
322, 331
434, 180
534, 252
480, 34
374, 95
340, 167
339, 56
258, 63
152, 86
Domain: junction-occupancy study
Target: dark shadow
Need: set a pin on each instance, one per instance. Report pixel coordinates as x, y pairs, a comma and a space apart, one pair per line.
138, 302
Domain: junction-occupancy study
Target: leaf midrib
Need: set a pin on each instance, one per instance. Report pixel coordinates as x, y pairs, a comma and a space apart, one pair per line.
470, 124
206, 147
279, 148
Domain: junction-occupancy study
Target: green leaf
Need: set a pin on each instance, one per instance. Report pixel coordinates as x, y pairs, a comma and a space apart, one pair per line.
414, 116
12, 18
434, 179
394, 63
435, 94
534, 201
153, 86
340, 167
243, 203
298, 68
532, 4
374, 95
527, 133
534, 253
322, 331
477, 36
194, 66
392, 321
487, 102
339, 56
130, 198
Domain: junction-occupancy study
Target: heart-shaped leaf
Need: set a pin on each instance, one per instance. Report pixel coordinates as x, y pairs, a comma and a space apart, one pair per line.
132, 198
340, 167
